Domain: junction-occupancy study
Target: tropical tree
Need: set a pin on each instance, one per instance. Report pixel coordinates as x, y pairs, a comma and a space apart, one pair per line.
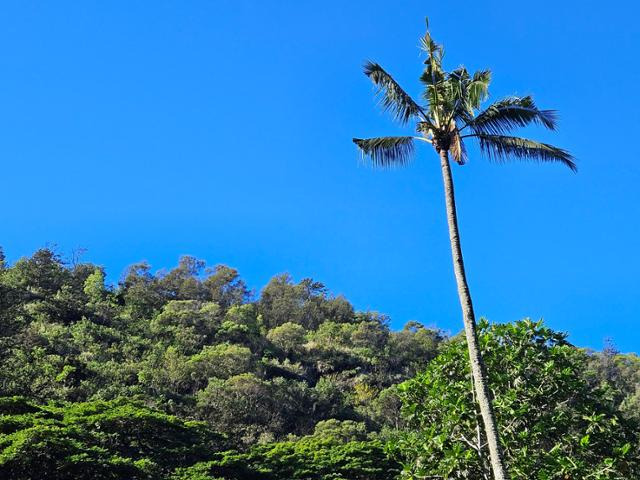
450, 115
556, 424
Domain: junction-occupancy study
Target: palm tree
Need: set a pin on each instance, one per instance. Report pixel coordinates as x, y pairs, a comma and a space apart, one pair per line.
450, 115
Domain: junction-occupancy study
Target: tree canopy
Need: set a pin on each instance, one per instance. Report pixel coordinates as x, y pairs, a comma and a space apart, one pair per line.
195, 342
187, 374
556, 423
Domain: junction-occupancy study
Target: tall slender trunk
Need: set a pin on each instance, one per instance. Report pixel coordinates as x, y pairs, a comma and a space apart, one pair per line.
480, 382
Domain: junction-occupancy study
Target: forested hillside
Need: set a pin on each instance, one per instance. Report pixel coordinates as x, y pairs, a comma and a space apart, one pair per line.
195, 343
186, 373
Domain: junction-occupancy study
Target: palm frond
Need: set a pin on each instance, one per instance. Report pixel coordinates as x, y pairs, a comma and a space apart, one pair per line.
509, 113
500, 148
434, 50
458, 150
392, 97
463, 93
386, 151
433, 75
478, 88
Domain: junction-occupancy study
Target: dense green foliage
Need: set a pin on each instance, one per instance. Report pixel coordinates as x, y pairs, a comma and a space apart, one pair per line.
123, 440
193, 342
188, 375
555, 423
115, 439
336, 450
190, 345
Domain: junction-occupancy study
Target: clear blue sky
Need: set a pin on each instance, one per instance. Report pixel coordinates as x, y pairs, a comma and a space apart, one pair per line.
222, 129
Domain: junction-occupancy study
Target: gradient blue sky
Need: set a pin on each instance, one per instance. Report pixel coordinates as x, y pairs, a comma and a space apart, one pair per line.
222, 129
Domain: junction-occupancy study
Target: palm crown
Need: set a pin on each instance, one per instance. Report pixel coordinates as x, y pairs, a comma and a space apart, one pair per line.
451, 113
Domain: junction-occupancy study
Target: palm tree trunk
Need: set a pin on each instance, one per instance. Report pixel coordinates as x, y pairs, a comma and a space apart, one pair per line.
480, 382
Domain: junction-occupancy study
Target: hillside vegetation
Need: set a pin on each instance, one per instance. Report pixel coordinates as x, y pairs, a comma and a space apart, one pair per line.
186, 374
